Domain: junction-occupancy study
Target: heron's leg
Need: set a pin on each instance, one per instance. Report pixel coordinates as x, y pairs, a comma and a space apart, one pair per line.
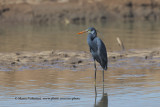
103, 88
103, 76
95, 93
95, 70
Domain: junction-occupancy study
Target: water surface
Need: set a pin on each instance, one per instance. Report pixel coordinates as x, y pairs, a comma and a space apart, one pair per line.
123, 87
135, 35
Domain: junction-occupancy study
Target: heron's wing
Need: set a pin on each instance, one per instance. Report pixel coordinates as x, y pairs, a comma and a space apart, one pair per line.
101, 49
102, 52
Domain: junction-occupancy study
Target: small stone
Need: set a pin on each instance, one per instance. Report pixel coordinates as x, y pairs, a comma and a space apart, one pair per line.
80, 61
45, 60
13, 63
146, 57
65, 55
18, 60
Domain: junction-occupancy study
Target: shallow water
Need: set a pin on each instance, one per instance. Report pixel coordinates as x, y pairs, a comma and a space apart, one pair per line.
122, 88
135, 35
126, 85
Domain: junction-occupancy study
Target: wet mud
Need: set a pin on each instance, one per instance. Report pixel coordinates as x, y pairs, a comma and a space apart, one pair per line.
74, 60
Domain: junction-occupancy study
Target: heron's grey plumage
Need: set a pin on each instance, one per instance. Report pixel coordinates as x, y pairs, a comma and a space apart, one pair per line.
97, 48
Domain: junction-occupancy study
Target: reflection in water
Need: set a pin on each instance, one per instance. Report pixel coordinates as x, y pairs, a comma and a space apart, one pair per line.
122, 85
104, 100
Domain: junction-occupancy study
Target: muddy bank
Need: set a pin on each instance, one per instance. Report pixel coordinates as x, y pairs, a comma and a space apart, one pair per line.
145, 59
80, 11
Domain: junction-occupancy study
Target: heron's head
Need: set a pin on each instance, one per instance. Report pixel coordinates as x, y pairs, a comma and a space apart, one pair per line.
91, 30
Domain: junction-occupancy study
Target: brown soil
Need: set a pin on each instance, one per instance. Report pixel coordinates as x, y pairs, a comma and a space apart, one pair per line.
81, 11
78, 60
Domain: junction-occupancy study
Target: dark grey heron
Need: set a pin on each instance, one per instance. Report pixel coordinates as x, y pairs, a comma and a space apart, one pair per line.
97, 49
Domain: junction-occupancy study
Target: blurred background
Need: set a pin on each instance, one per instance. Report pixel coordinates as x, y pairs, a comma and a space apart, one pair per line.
78, 11
27, 25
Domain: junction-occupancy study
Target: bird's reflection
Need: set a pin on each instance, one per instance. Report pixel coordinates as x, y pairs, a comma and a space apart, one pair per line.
104, 100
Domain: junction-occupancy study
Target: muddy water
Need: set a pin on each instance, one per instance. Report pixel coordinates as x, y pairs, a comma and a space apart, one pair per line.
122, 88
138, 35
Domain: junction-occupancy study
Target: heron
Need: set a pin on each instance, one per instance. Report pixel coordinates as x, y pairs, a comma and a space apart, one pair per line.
97, 49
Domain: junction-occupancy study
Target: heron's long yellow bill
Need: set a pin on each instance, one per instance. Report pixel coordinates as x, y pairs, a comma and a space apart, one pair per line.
82, 32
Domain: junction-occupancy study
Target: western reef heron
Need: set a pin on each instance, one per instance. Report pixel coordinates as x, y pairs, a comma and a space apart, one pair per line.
97, 49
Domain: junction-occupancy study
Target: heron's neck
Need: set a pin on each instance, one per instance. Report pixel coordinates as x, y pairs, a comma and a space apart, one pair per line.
92, 36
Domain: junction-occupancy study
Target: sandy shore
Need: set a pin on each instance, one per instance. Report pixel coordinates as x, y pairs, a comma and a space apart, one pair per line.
148, 59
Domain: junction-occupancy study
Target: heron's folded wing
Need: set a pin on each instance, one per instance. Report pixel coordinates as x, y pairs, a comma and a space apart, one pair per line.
102, 51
